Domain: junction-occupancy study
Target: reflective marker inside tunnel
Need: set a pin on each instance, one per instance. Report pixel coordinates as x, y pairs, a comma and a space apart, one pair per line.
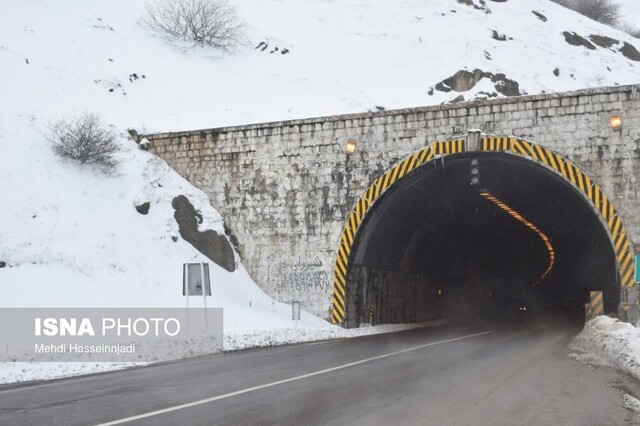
521, 241
531, 226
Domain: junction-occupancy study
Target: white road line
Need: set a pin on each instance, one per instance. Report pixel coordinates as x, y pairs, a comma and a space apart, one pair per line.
57, 381
291, 379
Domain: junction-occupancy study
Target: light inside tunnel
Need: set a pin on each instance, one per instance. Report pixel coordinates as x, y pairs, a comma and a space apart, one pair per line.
433, 247
528, 224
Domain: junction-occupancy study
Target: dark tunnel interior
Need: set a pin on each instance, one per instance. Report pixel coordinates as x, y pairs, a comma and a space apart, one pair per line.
433, 247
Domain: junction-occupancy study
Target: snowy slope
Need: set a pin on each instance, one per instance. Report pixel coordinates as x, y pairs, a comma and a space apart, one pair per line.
630, 13
630, 10
344, 56
72, 237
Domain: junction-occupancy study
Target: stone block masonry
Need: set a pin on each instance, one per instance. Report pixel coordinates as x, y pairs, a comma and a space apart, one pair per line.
285, 188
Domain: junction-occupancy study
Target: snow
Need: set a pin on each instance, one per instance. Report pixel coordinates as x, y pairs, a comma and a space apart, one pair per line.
630, 13
71, 236
344, 57
606, 341
14, 372
631, 403
611, 342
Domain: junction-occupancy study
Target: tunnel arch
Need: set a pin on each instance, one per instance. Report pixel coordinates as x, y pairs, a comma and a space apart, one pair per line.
520, 149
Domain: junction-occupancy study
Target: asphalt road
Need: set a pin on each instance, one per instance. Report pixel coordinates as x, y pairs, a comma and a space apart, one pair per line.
434, 376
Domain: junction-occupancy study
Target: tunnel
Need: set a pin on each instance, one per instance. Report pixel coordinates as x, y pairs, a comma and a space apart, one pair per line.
520, 241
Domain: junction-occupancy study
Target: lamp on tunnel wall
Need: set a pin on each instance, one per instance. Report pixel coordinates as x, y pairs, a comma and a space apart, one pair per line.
615, 122
351, 146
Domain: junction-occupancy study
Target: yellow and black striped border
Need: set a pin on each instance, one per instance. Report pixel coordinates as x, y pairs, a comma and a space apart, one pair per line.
585, 185
379, 186
596, 304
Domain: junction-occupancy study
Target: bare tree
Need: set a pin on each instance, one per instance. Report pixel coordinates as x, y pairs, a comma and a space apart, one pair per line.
563, 3
631, 30
603, 11
86, 140
204, 22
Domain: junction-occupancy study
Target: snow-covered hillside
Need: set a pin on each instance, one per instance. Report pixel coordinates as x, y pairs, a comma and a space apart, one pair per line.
630, 13
343, 56
71, 236
630, 10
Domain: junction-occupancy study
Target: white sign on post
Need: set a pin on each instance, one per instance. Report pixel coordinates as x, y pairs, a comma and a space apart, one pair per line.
196, 282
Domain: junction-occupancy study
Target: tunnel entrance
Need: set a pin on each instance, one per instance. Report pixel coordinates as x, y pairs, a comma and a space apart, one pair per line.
434, 247
522, 242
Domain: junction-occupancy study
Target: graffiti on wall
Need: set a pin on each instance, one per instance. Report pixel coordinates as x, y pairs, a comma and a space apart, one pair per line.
303, 274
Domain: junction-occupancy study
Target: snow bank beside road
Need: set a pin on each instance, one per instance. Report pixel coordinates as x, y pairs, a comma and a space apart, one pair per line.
15, 372
284, 336
611, 342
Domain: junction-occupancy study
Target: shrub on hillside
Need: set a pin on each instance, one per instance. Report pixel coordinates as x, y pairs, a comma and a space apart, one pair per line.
86, 140
632, 31
212, 23
604, 11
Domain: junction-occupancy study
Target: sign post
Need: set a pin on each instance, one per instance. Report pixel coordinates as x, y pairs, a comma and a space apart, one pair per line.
295, 312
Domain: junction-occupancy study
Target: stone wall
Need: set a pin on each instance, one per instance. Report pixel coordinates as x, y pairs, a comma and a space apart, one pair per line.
284, 188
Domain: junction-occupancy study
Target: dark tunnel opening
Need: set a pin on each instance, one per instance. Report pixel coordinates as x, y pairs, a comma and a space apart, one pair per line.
433, 247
